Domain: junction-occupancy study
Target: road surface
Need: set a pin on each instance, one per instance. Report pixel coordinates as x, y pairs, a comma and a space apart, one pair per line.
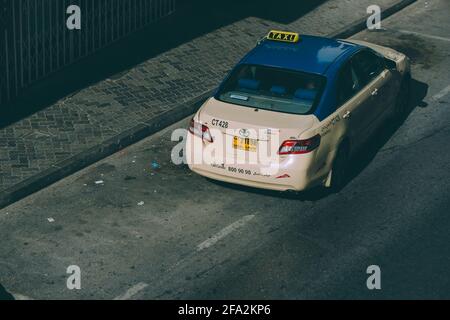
143, 231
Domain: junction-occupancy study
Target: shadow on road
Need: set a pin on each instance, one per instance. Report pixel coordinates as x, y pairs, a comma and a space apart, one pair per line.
5, 295
364, 157
192, 19
360, 161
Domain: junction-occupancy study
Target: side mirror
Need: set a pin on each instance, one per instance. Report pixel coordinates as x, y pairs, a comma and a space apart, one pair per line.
390, 64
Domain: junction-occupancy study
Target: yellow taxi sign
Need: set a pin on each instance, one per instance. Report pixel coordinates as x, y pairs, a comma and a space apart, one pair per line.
283, 36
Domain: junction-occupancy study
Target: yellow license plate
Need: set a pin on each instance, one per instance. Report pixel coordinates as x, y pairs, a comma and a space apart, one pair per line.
245, 144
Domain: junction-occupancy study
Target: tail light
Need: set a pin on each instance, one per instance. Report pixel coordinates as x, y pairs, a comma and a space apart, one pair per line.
299, 146
200, 130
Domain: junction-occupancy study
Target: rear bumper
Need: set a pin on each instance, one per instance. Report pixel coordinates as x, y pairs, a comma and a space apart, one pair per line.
297, 180
246, 182
290, 173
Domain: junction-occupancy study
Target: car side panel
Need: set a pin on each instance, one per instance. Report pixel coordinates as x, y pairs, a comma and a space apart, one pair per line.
333, 130
387, 85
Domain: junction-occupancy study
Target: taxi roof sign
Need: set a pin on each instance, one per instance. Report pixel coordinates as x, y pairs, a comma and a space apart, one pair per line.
283, 36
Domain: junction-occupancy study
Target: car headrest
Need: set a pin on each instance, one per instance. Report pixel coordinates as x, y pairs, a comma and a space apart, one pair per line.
278, 90
306, 94
250, 84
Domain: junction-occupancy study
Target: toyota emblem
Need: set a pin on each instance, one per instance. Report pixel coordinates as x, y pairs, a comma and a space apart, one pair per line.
244, 133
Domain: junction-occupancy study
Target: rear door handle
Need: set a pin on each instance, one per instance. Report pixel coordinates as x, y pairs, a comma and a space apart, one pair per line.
374, 92
347, 115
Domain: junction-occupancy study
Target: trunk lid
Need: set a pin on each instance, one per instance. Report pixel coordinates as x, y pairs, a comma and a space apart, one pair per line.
266, 127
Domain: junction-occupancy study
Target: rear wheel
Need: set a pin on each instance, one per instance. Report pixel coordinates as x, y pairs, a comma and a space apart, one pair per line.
339, 170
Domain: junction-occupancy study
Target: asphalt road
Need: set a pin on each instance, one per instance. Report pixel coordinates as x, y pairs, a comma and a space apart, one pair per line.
165, 233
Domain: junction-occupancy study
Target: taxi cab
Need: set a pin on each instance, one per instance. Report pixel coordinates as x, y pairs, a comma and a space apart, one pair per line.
294, 110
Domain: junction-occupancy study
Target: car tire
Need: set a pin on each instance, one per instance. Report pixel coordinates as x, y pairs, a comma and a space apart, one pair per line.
339, 170
403, 99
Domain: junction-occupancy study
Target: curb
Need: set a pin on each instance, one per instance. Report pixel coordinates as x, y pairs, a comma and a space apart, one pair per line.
139, 132
99, 152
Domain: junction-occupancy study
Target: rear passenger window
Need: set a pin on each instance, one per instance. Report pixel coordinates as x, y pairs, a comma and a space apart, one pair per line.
274, 89
348, 84
367, 65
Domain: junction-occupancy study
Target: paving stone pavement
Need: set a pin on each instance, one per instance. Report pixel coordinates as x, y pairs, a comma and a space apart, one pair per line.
108, 108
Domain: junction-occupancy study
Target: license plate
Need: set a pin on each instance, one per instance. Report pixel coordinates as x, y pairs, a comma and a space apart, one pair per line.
245, 144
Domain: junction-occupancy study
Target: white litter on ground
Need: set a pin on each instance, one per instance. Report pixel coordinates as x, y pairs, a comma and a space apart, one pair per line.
51, 220
141, 203
99, 182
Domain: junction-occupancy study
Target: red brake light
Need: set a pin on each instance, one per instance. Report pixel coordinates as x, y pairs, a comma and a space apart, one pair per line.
299, 146
200, 130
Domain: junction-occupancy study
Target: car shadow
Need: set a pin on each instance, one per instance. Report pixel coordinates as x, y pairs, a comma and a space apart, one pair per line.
364, 157
313, 194
191, 19
5, 295
358, 162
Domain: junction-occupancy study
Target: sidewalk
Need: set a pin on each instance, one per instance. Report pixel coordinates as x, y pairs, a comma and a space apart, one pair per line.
102, 118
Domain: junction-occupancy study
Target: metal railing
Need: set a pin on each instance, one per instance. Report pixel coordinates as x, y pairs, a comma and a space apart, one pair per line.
35, 41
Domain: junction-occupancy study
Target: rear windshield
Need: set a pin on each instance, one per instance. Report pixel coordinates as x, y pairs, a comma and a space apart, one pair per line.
273, 89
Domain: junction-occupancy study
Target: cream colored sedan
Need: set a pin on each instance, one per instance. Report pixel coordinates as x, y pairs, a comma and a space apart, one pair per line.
294, 109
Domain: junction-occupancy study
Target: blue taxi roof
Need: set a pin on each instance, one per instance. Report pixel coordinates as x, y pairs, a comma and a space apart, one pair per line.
311, 54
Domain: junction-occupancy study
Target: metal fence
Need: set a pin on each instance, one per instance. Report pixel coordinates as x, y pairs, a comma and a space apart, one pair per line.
35, 41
